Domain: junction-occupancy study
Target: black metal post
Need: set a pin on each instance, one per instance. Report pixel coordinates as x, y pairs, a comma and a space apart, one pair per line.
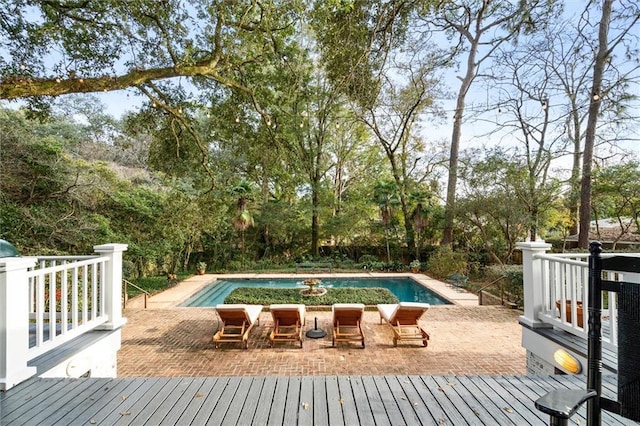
594, 338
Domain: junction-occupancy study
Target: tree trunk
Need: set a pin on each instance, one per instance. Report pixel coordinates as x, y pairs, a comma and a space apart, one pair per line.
452, 182
315, 222
590, 136
574, 189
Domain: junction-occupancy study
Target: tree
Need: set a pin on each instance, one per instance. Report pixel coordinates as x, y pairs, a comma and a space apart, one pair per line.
527, 122
494, 205
629, 19
407, 89
480, 28
58, 48
386, 197
243, 219
617, 196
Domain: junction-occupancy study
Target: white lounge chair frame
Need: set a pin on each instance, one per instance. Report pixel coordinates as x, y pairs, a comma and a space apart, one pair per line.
237, 321
347, 319
288, 321
403, 319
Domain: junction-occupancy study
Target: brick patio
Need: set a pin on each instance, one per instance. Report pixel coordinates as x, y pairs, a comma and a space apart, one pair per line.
170, 341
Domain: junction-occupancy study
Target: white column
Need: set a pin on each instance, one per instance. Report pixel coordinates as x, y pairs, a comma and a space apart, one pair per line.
113, 284
532, 281
14, 321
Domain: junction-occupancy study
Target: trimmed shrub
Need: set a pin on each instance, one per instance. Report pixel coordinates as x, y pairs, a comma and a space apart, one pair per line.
267, 296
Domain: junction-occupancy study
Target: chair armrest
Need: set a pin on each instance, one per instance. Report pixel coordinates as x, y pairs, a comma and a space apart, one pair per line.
562, 403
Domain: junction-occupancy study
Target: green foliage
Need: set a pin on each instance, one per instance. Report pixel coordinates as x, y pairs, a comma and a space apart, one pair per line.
152, 284
266, 296
616, 195
511, 282
444, 262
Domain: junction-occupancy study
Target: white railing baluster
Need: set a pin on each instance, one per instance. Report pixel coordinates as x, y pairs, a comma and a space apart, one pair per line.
103, 279
94, 292
548, 291
52, 305
74, 297
40, 310
85, 298
64, 309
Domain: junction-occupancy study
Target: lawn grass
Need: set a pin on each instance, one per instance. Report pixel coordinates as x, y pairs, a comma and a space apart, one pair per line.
267, 296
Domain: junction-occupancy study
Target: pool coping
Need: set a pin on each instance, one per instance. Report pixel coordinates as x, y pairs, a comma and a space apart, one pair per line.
174, 296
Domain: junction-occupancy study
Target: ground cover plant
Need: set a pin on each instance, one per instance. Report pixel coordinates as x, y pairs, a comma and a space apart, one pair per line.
154, 284
267, 296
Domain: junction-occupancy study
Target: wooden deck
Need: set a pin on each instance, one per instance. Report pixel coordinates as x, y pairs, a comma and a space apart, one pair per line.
307, 400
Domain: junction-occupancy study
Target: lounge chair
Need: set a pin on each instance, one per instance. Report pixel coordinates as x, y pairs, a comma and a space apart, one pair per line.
237, 321
288, 320
347, 318
403, 320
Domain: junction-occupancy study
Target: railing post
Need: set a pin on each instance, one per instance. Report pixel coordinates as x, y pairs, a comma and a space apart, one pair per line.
113, 284
533, 282
14, 321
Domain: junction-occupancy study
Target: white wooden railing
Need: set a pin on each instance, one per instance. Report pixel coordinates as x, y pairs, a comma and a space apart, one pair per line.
552, 281
47, 301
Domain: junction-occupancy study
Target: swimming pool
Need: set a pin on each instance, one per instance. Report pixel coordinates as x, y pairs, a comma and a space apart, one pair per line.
405, 289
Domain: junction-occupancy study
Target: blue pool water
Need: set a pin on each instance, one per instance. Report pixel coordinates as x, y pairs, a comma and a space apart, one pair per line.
405, 289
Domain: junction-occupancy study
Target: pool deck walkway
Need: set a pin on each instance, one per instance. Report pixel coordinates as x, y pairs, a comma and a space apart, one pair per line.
179, 293
166, 340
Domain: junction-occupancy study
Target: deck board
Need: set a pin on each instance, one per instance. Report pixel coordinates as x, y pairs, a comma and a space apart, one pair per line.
306, 400
224, 401
26, 398
198, 402
516, 400
170, 401
352, 399
109, 404
210, 399
373, 400
293, 404
334, 402
144, 407
405, 405
389, 401
492, 406
466, 407
29, 404
261, 415
84, 403
320, 404
276, 414
239, 403
307, 404
247, 412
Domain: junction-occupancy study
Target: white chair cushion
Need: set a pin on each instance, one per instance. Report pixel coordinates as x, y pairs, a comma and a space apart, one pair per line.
388, 310
290, 306
253, 312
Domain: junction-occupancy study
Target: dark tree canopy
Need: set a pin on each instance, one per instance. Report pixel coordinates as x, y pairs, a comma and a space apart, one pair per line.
74, 46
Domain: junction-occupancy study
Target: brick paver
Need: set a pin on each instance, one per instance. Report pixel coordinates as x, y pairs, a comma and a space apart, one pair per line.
465, 340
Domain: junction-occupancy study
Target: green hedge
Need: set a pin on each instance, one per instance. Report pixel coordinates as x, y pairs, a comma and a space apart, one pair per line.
267, 296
